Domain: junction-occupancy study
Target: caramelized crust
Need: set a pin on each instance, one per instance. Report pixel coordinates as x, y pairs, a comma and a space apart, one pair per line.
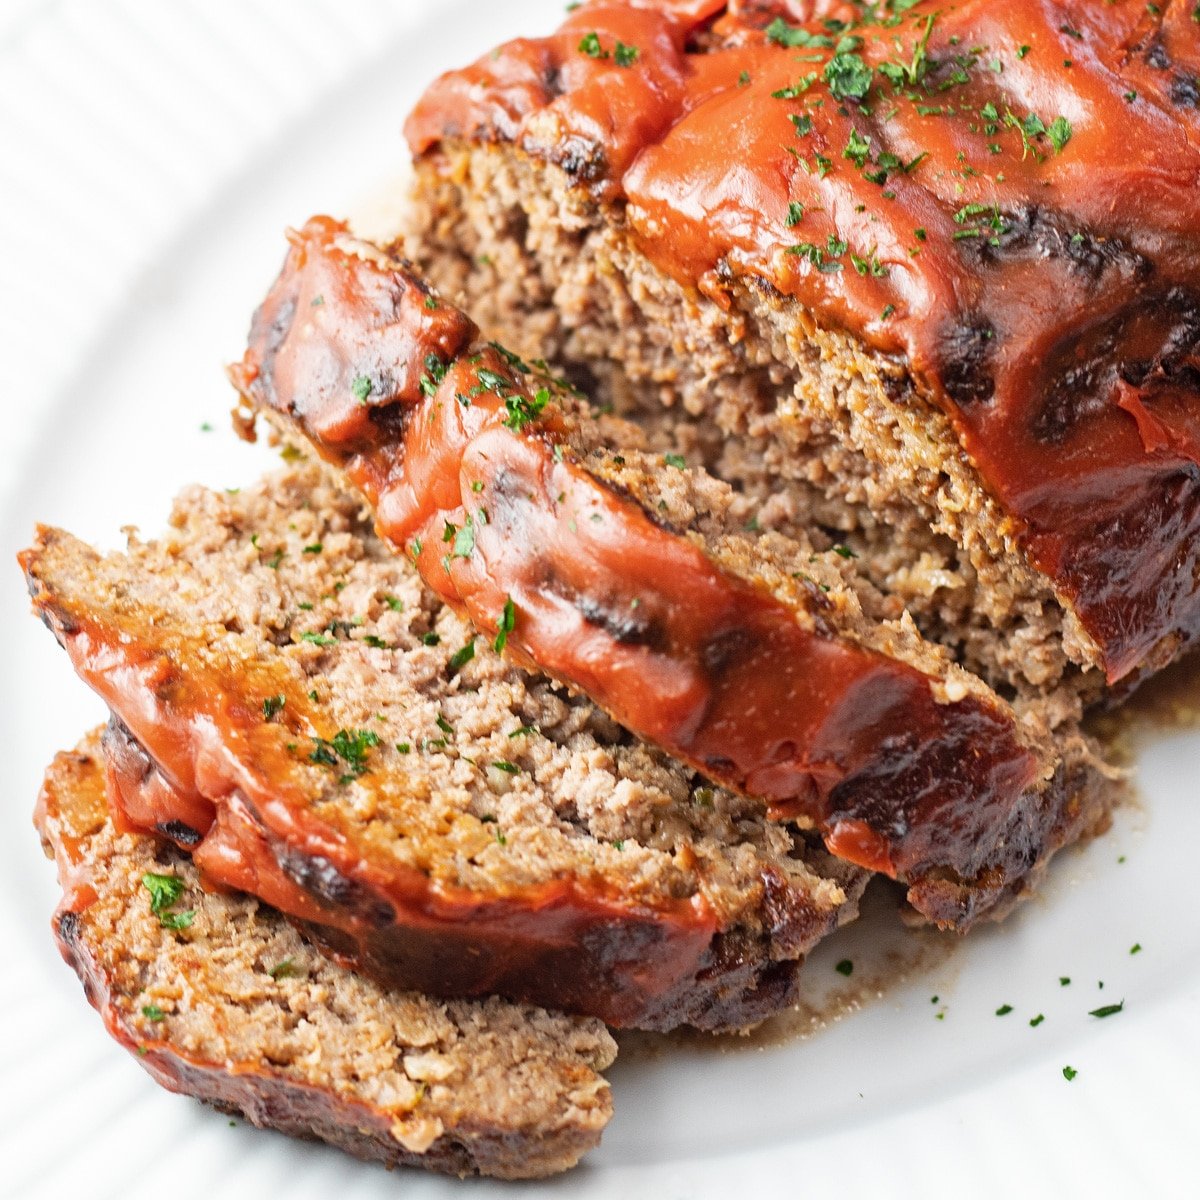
999, 199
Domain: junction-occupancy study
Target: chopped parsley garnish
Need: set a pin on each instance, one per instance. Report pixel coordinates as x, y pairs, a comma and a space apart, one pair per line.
153, 1013
461, 657
1069, 1073
1107, 1010
1136, 948
625, 56
273, 705
361, 387
403, 748
283, 970
464, 540
1004, 1010
524, 731
505, 626
507, 767
590, 45
431, 639
314, 548
848, 77
435, 372
395, 604
318, 639
347, 747
795, 214
1036, 1021
375, 642
165, 891
1059, 132
845, 967
675, 460
793, 37
524, 410
1064, 980
844, 552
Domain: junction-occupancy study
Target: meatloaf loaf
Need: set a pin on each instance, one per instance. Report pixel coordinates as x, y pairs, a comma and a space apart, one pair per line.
930, 270
222, 999
299, 712
767, 662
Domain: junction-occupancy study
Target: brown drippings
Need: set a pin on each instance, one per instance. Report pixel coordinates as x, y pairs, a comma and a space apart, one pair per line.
886, 954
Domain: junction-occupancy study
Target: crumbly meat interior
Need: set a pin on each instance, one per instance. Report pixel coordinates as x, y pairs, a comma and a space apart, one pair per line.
477, 773
812, 430
514, 1089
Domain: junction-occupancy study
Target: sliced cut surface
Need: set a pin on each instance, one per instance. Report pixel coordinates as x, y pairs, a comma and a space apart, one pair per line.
220, 998
633, 577
300, 712
912, 268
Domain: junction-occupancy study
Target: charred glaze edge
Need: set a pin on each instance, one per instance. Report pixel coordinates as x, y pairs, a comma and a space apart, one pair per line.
736, 981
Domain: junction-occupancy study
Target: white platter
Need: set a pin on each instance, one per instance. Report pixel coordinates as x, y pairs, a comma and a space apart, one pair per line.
150, 155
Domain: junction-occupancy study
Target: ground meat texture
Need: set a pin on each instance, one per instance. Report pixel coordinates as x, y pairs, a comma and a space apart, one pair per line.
235, 1007
634, 578
286, 687
907, 275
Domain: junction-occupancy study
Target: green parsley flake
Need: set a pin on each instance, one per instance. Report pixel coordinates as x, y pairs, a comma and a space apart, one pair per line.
505, 626
1004, 1010
625, 56
675, 460
361, 387
273, 705
152, 1012
462, 656
283, 970
348, 747
590, 45
1069, 1073
845, 967
795, 214
1107, 1010
524, 410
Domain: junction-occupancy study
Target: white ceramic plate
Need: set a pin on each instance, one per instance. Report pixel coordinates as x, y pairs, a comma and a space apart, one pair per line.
150, 155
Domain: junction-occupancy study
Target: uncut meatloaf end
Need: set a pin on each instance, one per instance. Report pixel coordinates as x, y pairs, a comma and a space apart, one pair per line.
221, 999
931, 322
297, 710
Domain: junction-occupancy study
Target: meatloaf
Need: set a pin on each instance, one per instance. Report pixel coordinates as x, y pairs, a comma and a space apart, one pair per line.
928, 270
222, 999
768, 662
295, 708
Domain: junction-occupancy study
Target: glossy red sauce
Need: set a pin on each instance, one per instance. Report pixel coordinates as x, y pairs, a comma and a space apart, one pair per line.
719, 673
201, 743
1005, 194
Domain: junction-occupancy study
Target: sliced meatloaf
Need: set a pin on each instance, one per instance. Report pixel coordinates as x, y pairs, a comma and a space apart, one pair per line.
930, 271
298, 711
222, 999
765, 661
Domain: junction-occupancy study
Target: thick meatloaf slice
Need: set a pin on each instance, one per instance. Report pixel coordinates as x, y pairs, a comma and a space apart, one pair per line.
764, 661
890, 254
330, 738
220, 998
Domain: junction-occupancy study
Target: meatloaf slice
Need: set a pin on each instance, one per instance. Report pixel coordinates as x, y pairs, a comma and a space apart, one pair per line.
322, 733
888, 251
634, 578
222, 999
